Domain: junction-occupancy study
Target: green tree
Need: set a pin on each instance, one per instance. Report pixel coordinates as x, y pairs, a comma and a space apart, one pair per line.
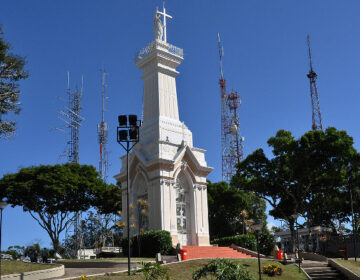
52, 194
95, 228
306, 175
11, 71
15, 251
227, 207
33, 248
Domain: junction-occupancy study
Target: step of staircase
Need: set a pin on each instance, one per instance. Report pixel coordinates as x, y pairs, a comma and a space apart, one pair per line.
195, 252
322, 271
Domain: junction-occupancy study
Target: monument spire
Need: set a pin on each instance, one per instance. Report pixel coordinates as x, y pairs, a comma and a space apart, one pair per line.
167, 171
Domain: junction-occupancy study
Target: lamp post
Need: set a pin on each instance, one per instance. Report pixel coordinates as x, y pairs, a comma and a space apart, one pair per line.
3, 204
295, 216
353, 222
128, 132
352, 210
257, 228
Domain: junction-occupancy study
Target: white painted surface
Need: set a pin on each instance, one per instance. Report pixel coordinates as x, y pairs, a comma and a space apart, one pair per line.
166, 151
86, 254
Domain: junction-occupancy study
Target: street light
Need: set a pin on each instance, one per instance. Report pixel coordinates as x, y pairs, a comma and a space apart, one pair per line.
350, 182
128, 132
353, 222
3, 204
257, 227
295, 216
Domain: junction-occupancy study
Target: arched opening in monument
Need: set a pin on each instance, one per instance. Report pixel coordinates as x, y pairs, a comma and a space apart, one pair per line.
183, 209
140, 205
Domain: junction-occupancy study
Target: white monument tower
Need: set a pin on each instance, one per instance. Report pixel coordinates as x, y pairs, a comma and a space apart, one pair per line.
167, 174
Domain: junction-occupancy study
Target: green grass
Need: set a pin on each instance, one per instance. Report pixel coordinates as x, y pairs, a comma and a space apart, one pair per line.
350, 264
111, 260
184, 271
10, 267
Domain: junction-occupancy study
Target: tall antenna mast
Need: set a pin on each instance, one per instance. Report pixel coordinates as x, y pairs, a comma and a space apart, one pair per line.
103, 133
316, 114
231, 142
72, 119
221, 54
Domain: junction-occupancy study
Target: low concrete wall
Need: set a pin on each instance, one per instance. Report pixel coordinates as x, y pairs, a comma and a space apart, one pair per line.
90, 264
313, 257
343, 270
37, 274
246, 251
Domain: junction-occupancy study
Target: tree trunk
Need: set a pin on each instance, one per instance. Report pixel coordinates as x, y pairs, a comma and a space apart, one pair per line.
56, 244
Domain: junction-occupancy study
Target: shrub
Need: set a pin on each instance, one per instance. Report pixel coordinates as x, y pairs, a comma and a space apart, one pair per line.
148, 243
266, 242
272, 269
154, 271
247, 241
223, 269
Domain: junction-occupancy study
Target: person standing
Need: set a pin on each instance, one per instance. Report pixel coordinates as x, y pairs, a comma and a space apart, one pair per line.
45, 255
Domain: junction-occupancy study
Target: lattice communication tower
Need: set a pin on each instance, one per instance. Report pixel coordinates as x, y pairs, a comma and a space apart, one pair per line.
316, 114
231, 142
102, 129
72, 119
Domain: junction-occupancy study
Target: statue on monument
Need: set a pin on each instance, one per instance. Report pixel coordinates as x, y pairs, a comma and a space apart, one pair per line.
158, 27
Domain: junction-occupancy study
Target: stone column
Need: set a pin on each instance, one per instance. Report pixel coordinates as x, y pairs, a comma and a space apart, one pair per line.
172, 212
203, 227
167, 203
196, 210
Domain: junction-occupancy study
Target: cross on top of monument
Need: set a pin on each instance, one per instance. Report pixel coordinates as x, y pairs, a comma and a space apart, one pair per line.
165, 15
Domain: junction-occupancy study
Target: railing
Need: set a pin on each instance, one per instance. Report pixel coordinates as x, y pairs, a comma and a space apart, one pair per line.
156, 44
177, 51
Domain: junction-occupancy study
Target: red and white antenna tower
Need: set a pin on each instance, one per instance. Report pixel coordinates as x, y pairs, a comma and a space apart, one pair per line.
231, 142
103, 133
316, 114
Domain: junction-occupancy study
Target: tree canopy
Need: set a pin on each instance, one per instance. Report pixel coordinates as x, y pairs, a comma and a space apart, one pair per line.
53, 193
309, 175
231, 211
11, 71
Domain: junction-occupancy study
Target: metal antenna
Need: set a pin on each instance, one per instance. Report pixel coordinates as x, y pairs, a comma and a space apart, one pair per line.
231, 142
315, 103
72, 119
221, 54
102, 129
309, 46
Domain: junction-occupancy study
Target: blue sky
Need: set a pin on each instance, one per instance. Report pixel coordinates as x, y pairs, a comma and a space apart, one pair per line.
265, 61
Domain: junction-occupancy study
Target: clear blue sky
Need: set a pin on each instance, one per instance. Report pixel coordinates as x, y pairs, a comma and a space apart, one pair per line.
265, 60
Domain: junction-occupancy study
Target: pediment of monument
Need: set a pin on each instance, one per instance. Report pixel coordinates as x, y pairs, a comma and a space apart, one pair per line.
185, 155
191, 157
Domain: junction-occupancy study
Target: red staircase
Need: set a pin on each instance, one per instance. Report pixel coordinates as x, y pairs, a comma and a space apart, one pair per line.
195, 252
